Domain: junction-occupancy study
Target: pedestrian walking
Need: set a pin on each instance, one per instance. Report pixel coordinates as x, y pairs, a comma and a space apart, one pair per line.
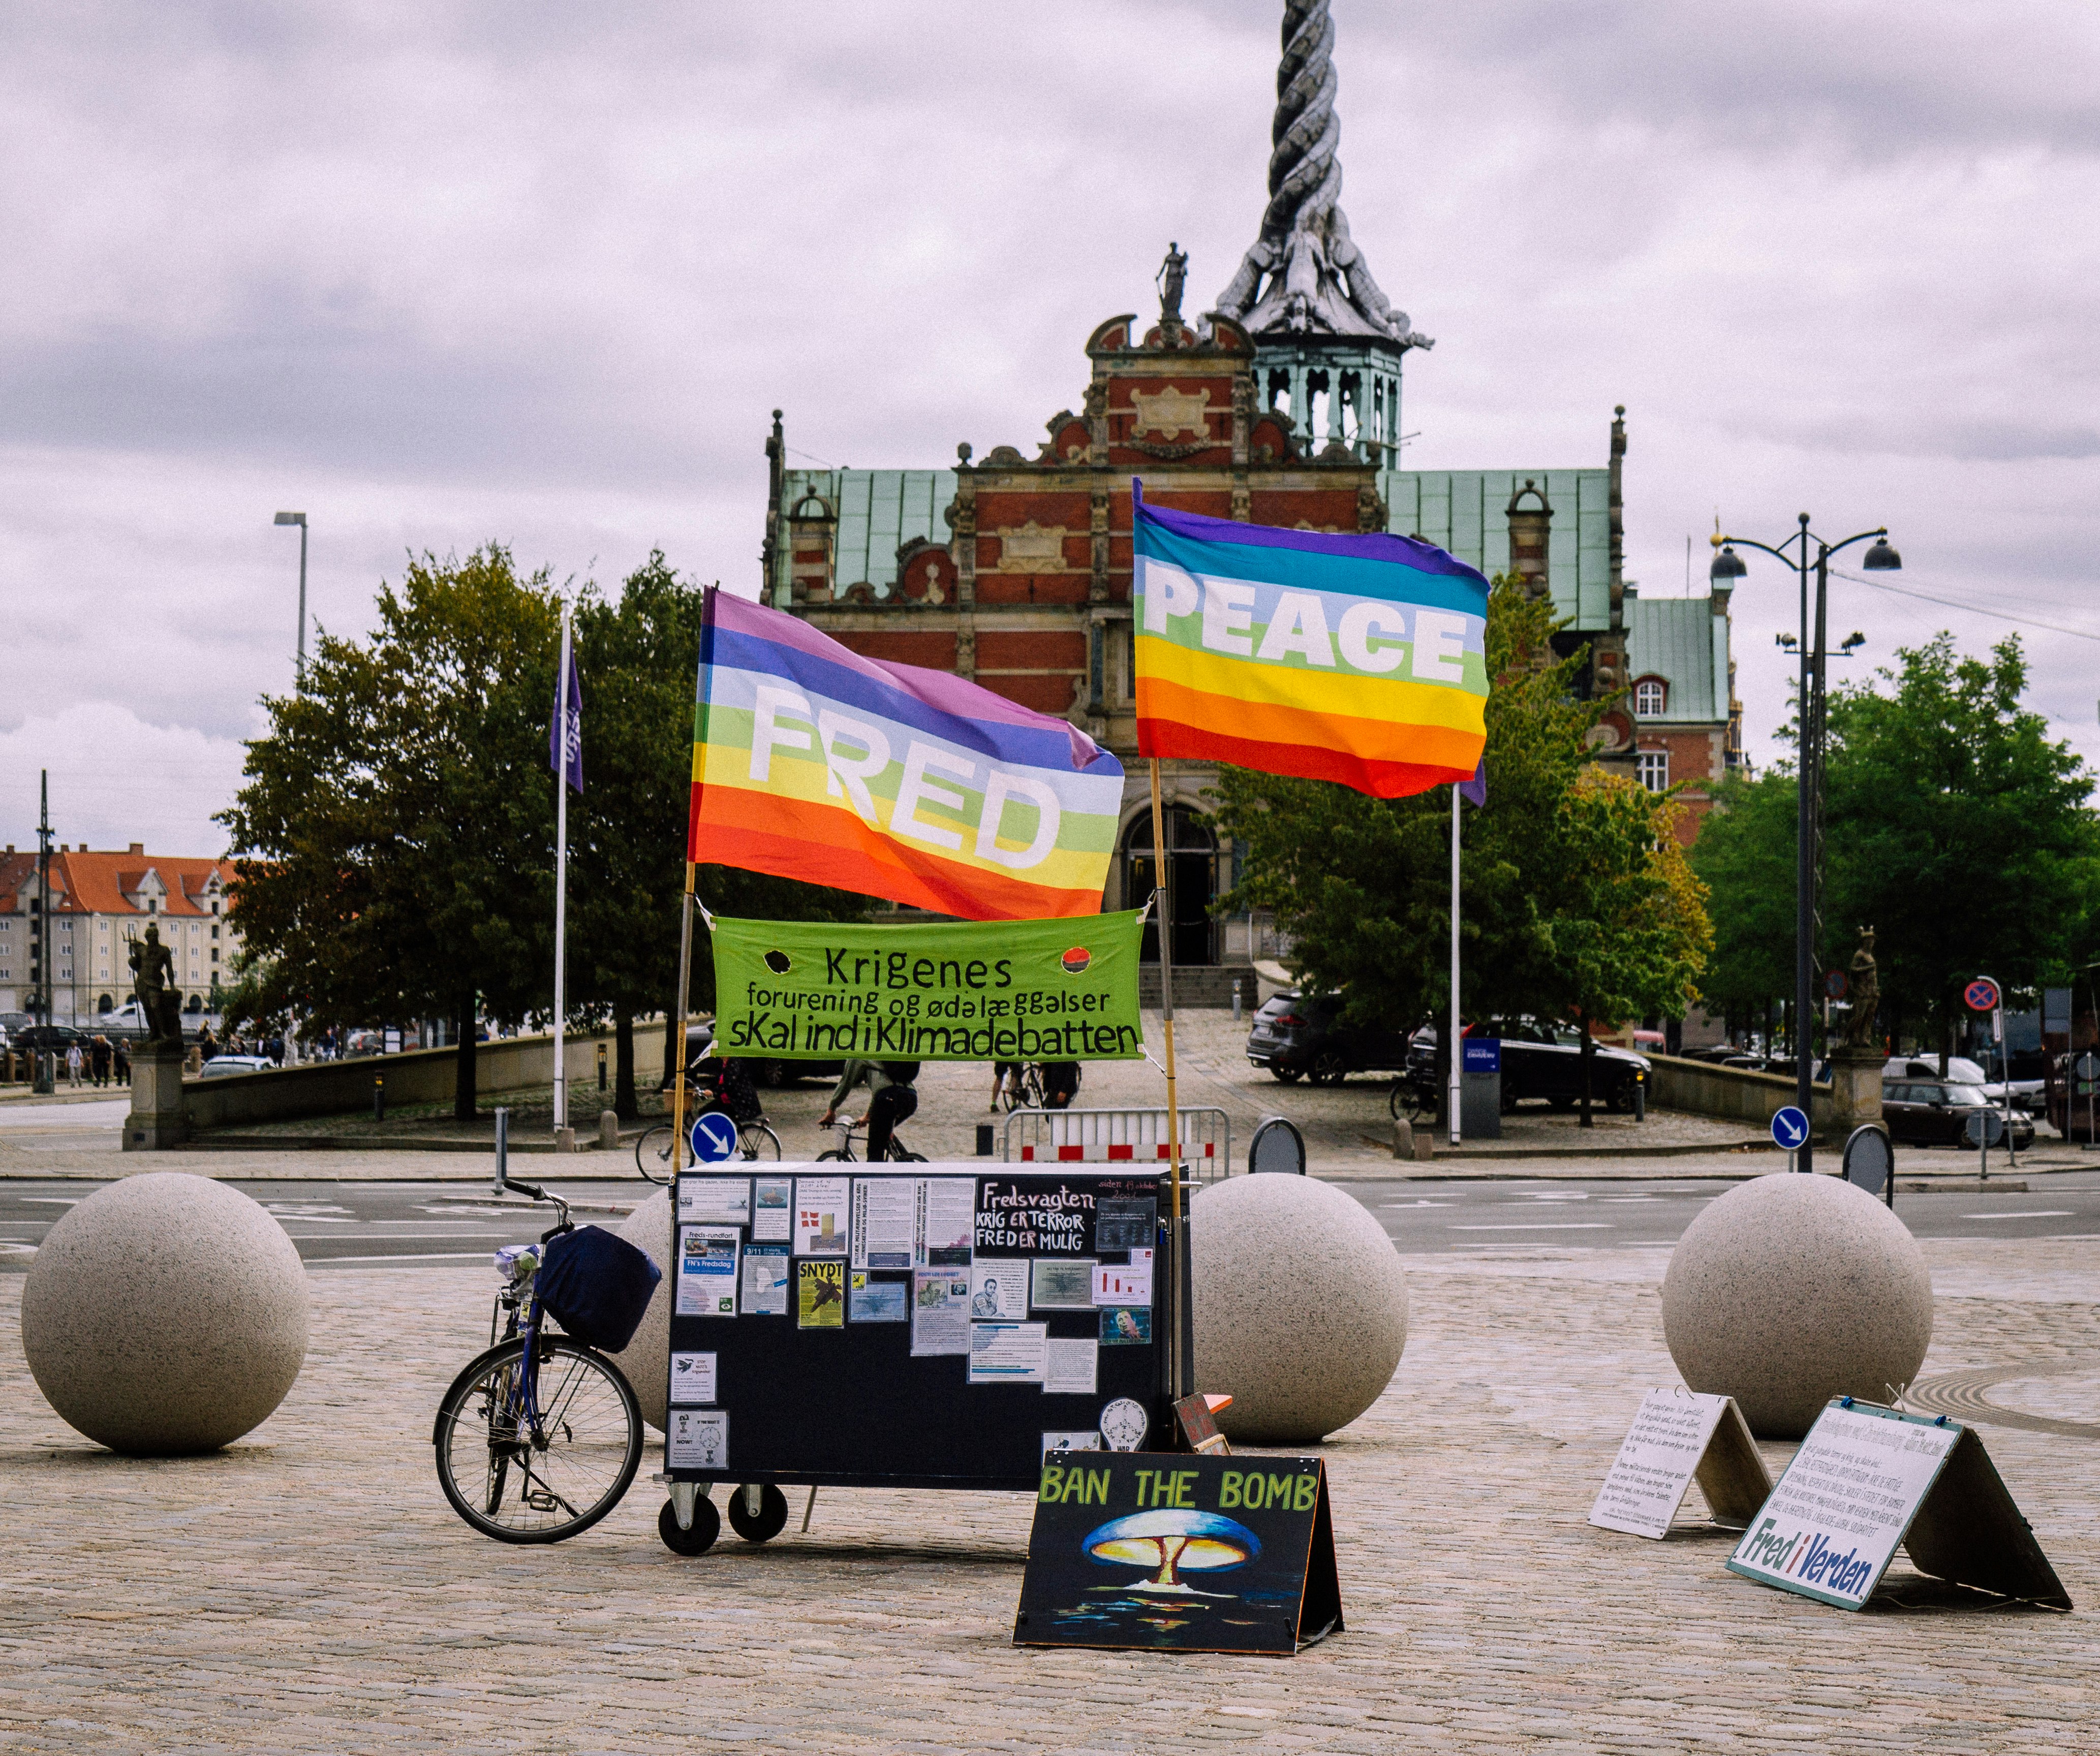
99, 1059
75, 1061
123, 1062
1061, 1084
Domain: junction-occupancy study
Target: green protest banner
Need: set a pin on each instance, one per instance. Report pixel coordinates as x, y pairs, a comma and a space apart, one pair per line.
1064, 990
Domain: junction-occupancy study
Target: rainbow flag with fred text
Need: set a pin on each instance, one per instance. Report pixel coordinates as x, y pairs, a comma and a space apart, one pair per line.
812, 762
1356, 658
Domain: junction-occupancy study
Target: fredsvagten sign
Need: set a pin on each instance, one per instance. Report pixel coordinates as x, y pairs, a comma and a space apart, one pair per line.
1061, 990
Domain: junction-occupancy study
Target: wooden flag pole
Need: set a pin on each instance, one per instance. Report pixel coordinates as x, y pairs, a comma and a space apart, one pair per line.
1164, 916
678, 1035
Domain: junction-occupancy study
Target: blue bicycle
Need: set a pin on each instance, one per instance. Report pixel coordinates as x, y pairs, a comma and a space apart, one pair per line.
540, 1436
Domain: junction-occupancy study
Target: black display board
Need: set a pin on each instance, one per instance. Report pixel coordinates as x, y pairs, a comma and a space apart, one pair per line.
1178, 1552
930, 1326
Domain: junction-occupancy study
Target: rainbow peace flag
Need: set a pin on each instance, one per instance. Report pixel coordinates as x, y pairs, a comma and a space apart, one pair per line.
811, 762
1360, 659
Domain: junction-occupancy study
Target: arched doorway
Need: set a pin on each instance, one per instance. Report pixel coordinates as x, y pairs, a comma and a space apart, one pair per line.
1192, 847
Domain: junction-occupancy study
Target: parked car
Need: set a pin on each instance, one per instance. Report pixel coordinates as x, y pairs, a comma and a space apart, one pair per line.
1541, 1058
1935, 1112
219, 1066
2028, 1094
1299, 1036
2074, 1112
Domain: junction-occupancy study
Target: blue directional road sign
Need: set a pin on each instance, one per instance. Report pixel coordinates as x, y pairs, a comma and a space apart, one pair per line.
1789, 1129
713, 1136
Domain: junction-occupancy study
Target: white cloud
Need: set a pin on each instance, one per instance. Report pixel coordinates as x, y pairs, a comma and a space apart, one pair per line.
116, 779
440, 274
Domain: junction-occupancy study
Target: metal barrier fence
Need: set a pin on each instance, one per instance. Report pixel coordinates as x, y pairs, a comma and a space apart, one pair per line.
1094, 1135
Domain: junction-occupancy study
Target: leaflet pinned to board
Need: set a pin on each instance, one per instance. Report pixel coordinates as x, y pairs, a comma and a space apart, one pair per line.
885, 1222
820, 1295
940, 1312
948, 1219
872, 1299
697, 1439
822, 1221
1115, 1283
1008, 1354
773, 1211
692, 1378
766, 1280
714, 1201
1000, 1289
1070, 1366
707, 1271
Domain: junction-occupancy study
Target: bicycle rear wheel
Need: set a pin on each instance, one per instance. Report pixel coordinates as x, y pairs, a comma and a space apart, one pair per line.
652, 1154
519, 1486
757, 1141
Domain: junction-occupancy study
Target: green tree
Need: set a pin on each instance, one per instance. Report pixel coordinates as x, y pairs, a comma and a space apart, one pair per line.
394, 835
1745, 855
1952, 825
1956, 828
1363, 885
1624, 914
636, 658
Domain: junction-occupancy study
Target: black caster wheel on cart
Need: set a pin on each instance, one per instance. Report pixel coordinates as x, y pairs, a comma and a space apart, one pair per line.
707, 1526
772, 1515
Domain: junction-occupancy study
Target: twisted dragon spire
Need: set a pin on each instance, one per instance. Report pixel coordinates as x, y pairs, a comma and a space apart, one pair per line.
1305, 274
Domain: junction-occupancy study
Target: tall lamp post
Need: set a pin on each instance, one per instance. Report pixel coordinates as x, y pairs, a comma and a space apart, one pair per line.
300, 520
1812, 553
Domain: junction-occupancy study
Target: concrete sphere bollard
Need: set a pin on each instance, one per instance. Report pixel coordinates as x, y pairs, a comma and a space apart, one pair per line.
166, 1315
1791, 1290
646, 1359
1301, 1306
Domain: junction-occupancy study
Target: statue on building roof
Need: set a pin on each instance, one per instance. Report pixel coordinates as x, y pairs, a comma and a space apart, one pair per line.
1304, 274
1173, 275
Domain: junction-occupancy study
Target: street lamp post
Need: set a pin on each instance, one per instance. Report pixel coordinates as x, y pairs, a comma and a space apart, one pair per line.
1812, 553
300, 520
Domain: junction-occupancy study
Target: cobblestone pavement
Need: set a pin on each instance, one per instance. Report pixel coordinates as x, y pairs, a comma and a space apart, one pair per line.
308, 1590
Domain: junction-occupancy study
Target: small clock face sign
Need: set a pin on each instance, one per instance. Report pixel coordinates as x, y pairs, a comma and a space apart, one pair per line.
1124, 1424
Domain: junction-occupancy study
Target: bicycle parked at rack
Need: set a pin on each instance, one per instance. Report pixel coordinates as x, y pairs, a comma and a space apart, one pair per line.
540, 1436
849, 1130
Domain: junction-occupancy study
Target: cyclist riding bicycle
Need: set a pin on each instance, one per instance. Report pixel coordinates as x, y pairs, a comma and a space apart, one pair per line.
891, 1099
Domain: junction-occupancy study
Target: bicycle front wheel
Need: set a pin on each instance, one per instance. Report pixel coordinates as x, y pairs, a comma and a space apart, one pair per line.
652, 1153
757, 1141
519, 1481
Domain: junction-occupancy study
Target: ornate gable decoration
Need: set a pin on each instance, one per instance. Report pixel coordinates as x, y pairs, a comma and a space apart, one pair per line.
1169, 412
1032, 549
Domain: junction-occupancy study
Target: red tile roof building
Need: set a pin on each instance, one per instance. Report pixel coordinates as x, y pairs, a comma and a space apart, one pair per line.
99, 902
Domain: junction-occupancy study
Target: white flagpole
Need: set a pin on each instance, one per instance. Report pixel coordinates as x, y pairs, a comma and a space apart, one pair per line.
1457, 1054
562, 883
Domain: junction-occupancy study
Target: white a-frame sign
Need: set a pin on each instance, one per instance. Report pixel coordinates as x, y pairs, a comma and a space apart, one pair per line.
1679, 1437
1868, 1478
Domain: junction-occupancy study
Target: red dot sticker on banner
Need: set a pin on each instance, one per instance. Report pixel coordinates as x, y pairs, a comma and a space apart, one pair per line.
1076, 960
1981, 995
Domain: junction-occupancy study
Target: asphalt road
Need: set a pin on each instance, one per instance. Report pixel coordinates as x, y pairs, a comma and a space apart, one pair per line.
1422, 1218
348, 1223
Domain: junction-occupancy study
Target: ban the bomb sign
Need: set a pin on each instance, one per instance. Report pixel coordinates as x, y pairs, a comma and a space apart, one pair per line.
1215, 1553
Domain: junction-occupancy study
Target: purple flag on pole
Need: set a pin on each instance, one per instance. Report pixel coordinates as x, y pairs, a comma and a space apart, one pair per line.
1475, 790
565, 732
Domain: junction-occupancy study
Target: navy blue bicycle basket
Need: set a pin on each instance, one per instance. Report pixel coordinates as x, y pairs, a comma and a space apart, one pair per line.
596, 1285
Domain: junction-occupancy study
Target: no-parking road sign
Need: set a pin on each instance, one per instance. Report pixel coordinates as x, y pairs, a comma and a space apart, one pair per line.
1981, 995
1789, 1129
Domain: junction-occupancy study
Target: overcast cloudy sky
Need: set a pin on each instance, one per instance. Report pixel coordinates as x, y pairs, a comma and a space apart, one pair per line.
439, 273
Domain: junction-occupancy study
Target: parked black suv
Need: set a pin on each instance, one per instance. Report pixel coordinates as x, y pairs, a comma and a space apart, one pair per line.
1297, 1037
